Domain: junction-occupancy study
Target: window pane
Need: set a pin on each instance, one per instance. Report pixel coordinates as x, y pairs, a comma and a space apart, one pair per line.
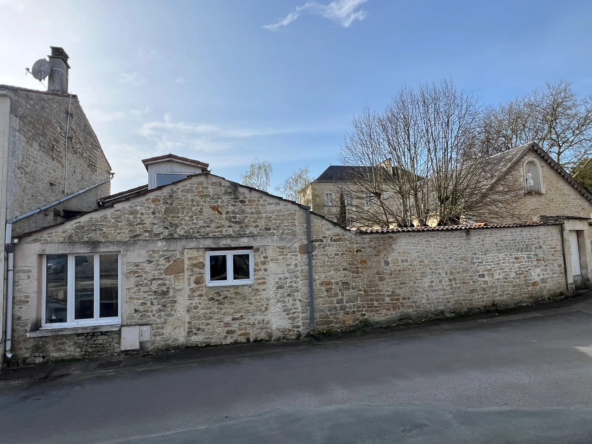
165, 179
56, 303
109, 286
218, 268
84, 287
241, 269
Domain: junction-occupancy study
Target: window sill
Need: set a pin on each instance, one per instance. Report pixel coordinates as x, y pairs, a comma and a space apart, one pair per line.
228, 284
44, 332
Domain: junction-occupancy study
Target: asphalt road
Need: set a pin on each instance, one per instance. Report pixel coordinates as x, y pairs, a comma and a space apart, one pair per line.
523, 378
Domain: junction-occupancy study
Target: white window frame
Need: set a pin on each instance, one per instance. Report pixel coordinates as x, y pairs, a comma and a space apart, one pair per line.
369, 199
230, 268
71, 291
168, 174
349, 199
329, 201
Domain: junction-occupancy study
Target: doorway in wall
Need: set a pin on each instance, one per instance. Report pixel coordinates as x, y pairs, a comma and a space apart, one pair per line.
575, 240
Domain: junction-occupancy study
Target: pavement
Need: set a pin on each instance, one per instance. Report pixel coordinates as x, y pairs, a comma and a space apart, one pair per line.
522, 376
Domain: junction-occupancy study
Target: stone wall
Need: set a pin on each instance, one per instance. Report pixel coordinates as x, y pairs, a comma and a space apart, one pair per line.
41, 171
558, 197
163, 238
410, 275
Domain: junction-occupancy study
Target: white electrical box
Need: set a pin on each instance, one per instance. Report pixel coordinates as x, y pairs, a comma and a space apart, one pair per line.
144, 333
130, 337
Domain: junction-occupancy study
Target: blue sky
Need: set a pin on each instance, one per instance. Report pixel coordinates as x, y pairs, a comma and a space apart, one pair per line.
227, 81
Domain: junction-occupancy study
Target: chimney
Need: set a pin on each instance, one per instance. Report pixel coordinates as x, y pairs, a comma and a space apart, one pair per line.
60, 70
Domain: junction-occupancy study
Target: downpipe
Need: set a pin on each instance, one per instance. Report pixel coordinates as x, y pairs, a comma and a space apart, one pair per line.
310, 275
9, 288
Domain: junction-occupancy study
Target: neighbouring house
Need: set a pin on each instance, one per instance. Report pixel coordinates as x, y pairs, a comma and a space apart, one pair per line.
206, 261
52, 167
539, 186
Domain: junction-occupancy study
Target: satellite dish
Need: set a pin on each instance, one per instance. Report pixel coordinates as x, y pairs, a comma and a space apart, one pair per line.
41, 69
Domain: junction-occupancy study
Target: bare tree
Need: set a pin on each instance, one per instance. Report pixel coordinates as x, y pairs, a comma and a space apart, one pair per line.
554, 117
292, 186
258, 175
416, 162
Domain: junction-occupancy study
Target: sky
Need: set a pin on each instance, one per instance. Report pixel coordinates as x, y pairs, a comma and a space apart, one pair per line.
229, 81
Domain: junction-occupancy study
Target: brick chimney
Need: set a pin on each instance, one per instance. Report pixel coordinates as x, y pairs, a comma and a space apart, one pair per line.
60, 70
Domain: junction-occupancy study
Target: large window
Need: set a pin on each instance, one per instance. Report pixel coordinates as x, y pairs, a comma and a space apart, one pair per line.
168, 178
80, 289
229, 267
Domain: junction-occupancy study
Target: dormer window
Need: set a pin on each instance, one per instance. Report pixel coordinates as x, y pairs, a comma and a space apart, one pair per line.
532, 177
168, 178
167, 169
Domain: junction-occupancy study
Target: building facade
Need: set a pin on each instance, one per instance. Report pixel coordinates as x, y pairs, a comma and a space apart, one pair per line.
49, 153
534, 183
206, 261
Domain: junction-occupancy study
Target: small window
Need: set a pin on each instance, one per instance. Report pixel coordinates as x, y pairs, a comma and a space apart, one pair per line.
329, 198
369, 199
168, 178
229, 267
80, 289
349, 199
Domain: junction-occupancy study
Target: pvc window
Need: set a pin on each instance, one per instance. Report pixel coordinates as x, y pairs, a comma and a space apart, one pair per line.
168, 178
232, 267
349, 199
329, 198
81, 290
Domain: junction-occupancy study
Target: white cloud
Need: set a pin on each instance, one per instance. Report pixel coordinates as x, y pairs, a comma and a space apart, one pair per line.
138, 113
184, 79
147, 53
107, 117
132, 78
101, 116
344, 12
220, 146
15, 5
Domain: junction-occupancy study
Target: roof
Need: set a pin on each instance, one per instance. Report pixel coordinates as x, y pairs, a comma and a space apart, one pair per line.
175, 158
448, 228
346, 173
337, 173
123, 195
36, 91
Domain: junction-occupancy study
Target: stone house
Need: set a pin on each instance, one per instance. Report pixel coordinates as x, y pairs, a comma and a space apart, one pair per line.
52, 166
206, 261
552, 191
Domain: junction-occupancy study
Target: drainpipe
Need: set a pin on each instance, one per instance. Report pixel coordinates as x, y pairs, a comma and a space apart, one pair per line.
564, 260
310, 275
9, 245
9, 288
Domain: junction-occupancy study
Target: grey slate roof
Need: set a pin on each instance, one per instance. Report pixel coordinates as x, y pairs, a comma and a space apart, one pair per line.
338, 173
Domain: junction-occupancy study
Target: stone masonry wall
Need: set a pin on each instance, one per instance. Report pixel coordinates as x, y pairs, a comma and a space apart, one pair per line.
39, 163
558, 196
388, 277
163, 238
